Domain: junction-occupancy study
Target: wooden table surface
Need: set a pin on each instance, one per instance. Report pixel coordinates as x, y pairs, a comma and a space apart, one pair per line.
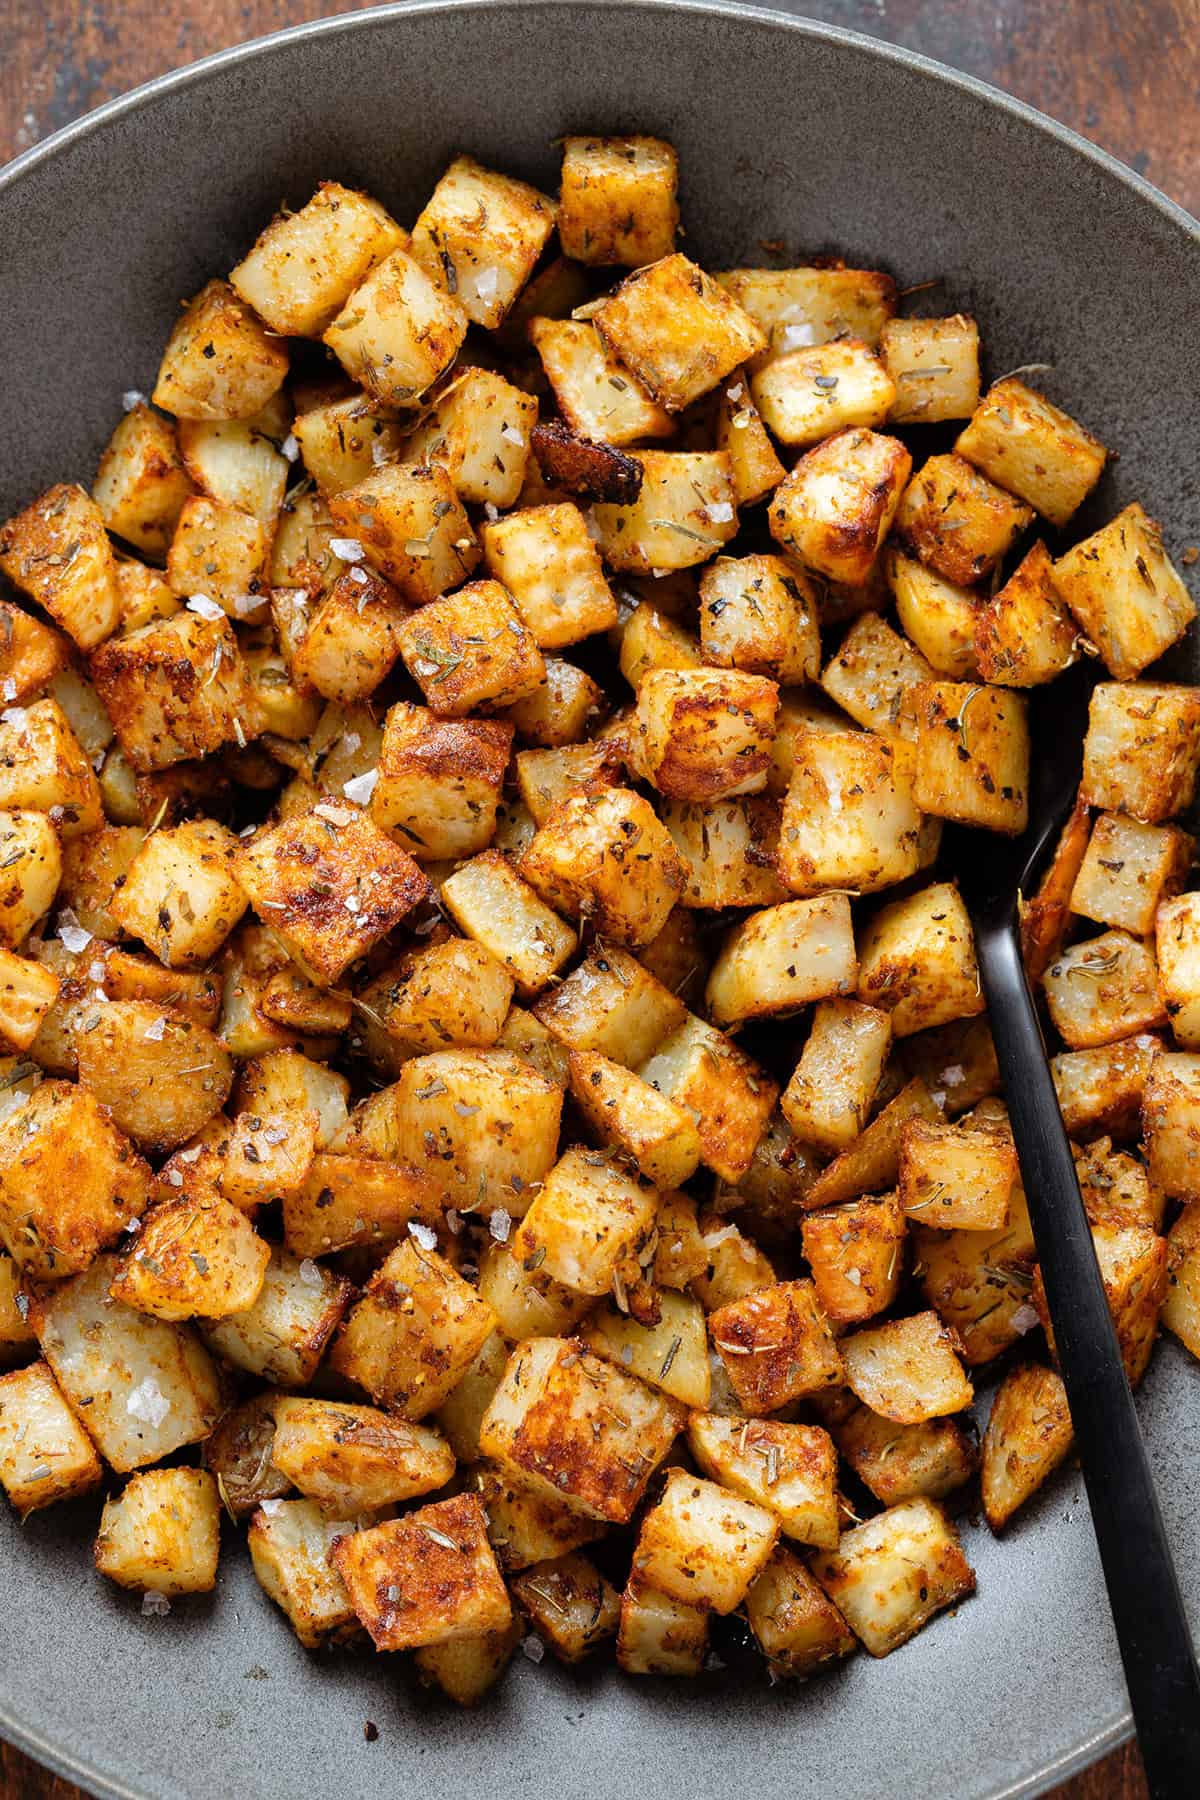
1125, 75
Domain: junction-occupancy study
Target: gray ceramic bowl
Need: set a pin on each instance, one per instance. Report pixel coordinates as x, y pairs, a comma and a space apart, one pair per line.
788, 130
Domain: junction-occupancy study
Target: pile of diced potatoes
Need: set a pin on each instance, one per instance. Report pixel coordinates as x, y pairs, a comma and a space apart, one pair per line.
496, 1095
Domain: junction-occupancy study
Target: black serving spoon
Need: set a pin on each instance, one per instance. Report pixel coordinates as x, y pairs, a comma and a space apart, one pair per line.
1143, 1590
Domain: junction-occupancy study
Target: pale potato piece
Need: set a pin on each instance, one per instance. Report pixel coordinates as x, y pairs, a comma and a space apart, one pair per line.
162, 1532
702, 1544
908, 1369
1028, 1434
890, 1575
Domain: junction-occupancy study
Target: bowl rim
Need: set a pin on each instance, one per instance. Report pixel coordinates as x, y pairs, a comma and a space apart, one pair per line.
24, 1732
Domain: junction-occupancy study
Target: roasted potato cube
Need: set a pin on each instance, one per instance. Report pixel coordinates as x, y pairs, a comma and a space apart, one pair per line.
286, 1084
776, 1346
588, 1225
611, 1005
572, 1606
17, 1339
1125, 592
1028, 1435
940, 617
410, 525
890, 1575
162, 1533
808, 394
854, 1252
160, 1076
283, 1336
705, 1072
180, 896
547, 562
796, 1626
1104, 989
624, 1111
598, 396
671, 1354
31, 653
955, 1178
31, 862
1100, 1090
304, 266
1177, 947
829, 1096
873, 676
355, 1459
907, 1369
526, 1302
898, 1462
1023, 635
490, 902
526, 1527
44, 769
850, 819
353, 638
972, 755
1134, 1268
1032, 448
428, 1578
1181, 1310
1170, 1123
1128, 869
812, 306
146, 593
143, 1386
141, 483
94, 868
618, 202
836, 507
471, 651
466, 1669
480, 236
461, 1413
45, 1455
561, 710
684, 512
781, 958
741, 434
193, 1257
606, 857
678, 330
345, 1200
544, 1424
681, 1256
660, 1635
934, 364
1142, 749
957, 521
917, 961
27, 992
979, 1281
706, 733
871, 1162
479, 432
220, 362
451, 993
733, 1267
70, 1182
759, 615
653, 640
439, 781
290, 1543
57, 551
175, 689
790, 1470
545, 778
702, 1544
397, 331
344, 441
414, 1333
238, 464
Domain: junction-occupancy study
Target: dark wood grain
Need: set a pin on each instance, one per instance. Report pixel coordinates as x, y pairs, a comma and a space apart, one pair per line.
1125, 75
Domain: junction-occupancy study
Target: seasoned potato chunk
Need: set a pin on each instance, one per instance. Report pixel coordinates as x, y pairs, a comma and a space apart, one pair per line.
1181, 1310
705, 1072
908, 1369
671, 1354
702, 1544
192, 1257
972, 755
854, 1252
27, 992
1177, 947
957, 521
162, 1532
626, 1112
791, 1470
613, 1006
471, 651
578, 1429
1142, 749
589, 1224
397, 331
1028, 1435
1024, 635
606, 857
452, 993
141, 484
759, 615
353, 638
526, 1527
1100, 1090
658, 1634
1125, 591
796, 1626
618, 202
439, 781
175, 688
236, 463
410, 525
44, 768
290, 1543
57, 551
346, 1200
428, 1578
45, 1455
1034, 449
890, 1575
812, 306
238, 1454
490, 902
1104, 989
1134, 1268
955, 1178
354, 1459
549, 565
678, 330
898, 1462
342, 442
597, 395
1170, 1122
180, 896
917, 961
571, 1604
776, 1346
480, 235
836, 507
220, 362
161, 1077
828, 1098
873, 676
850, 818
783, 957
706, 733
561, 711
728, 851
741, 434
305, 265
479, 432
806, 395
1128, 869
31, 865
934, 364
283, 1336
940, 617
467, 1668
980, 1281
526, 1302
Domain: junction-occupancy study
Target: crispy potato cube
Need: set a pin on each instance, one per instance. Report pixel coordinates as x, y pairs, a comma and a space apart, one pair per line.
1177, 947
526, 1302
287, 1084
613, 1006
94, 867
957, 1063
626, 1112
31, 861
972, 755
854, 1252
681, 1256
180, 896
1103, 990
547, 562
1142, 749
305, 265
353, 638
1044, 920
1100, 1090
1128, 870
890, 1575
606, 857
1126, 593
345, 1200
658, 1634
979, 1281
776, 1346
873, 676
917, 961
31, 653
898, 1462
471, 651
562, 709
1170, 1123
411, 526
236, 463
544, 1424
934, 364
428, 1578
850, 819
1028, 1435
290, 1543
870, 1163
759, 615
704, 1072
545, 778
1181, 1310
836, 507
192, 1258
812, 306
702, 1544
706, 733
162, 1533
397, 331
1023, 635
57, 551
461, 1413
480, 236
466, 1669
142, 1386
526, 1527
618, 202
45, 1455
355, 1459
678, 330
741, 434
956, 1178
796, 1626
957, 521
448, 993
141, 483
808, 394
491, 903
238, 1455
781, 958
220, 362
940, 617
733, 1265
414, 1333
1034, 449
683, 513
27, 992
70, 1182
1134, 1268
671, 1354
571, 1605
283, 1336
652, 640
160, 1076
17, 1338
790, 1470
439, 781
44, 769
175, 689
1116, 1187
344, 441
479, 432
908, 1369
829, 1096
597, 395
146, 594
588, 1225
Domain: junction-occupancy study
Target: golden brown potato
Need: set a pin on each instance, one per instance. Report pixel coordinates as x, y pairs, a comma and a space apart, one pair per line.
855, 1253
907, 1369
678, 330
796, 1626
572, 1606
1028, 1434
57, 551
703, 1545
428, 1578
480, 235
45, 1455
355, 1459
890, 1575
141, 485
836, 507
220, 362
776, 1346
162, 1533
305, 265
618, 202
957, 521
